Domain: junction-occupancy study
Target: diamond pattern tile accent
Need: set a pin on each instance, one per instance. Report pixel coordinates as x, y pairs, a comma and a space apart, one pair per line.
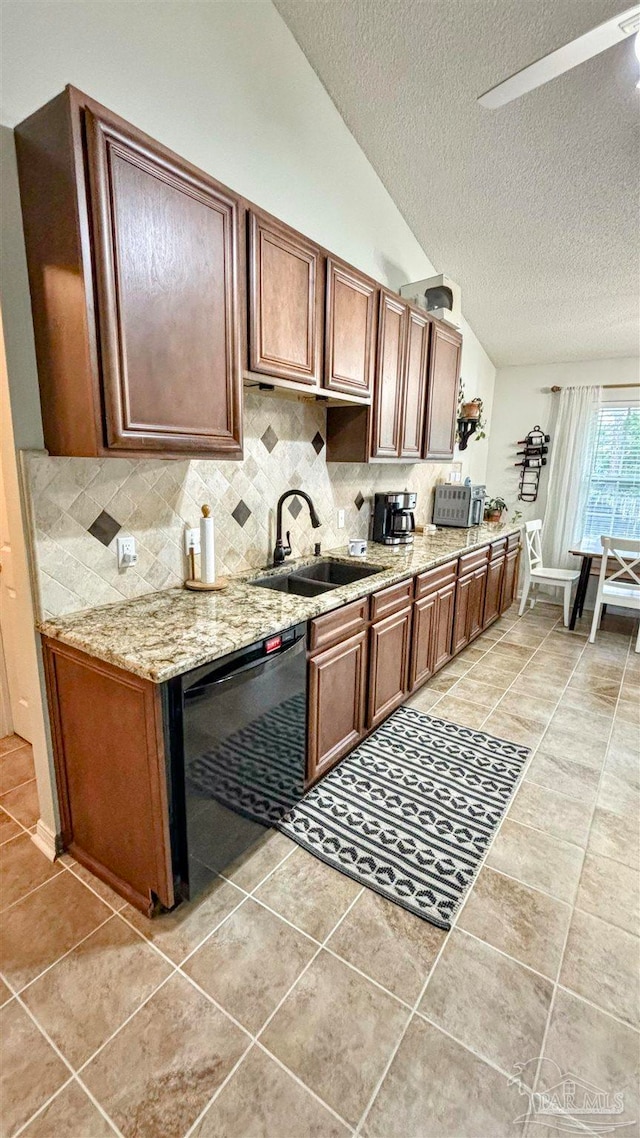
241, 513
295, 506
153, 500
359, 500
104, 528
269, 438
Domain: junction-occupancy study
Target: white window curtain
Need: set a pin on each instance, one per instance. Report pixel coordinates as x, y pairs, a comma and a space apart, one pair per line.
569, 472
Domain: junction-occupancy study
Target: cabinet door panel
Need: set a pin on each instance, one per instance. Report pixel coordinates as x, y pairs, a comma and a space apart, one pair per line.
389, 670
461, 617
285, 295
422, 639
510, 579
167, 288
495, 579
442, 398
443, 625
415, 385
476, 603
337, 690
387, 411
350, 331
110, 767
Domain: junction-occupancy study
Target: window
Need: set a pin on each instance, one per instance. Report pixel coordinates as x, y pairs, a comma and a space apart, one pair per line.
613, 499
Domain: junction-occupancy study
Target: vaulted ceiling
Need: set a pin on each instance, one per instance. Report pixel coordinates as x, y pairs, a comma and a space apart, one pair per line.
532, 208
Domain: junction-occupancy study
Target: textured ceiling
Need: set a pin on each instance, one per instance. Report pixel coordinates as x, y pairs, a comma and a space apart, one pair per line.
532, 208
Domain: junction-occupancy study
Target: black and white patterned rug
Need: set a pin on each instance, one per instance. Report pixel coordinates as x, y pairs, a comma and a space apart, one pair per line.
410, 813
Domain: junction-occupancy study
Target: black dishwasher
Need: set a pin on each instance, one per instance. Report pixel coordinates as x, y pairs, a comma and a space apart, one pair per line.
237, 753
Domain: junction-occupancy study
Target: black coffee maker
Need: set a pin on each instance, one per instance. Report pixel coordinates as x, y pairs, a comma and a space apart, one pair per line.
393, 520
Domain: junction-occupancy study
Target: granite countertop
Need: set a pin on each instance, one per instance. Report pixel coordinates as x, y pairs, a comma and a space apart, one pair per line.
164, 634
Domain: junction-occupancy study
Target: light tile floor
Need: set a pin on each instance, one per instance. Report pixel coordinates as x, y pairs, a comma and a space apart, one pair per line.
289, 1003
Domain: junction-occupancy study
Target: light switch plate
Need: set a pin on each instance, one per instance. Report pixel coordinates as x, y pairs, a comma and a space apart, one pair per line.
340, 519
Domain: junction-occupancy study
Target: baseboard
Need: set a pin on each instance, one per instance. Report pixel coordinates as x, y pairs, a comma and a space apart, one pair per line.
47, 841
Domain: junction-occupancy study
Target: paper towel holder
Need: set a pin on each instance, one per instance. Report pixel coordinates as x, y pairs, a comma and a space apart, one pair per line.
194, 583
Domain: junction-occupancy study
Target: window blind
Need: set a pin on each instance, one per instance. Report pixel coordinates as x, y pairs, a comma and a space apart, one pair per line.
613, 499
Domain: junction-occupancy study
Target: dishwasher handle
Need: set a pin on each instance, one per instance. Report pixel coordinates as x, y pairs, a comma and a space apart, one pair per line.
238, 673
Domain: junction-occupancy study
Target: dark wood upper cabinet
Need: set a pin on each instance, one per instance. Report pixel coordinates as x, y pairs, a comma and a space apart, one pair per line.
387, 409
350, 330
394, 428
134, 260
286, 301
414, 389
166, 275
442, 397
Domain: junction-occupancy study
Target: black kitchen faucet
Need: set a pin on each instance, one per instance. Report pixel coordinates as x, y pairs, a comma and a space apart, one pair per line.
281, 550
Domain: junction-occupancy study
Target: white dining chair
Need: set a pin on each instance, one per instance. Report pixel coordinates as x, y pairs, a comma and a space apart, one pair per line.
622, 587
535, 573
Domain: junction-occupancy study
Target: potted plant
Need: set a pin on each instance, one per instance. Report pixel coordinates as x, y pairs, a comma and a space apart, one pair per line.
472, 410
494, 508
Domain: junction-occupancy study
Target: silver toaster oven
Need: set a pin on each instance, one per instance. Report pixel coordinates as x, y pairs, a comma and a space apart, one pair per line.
461, 506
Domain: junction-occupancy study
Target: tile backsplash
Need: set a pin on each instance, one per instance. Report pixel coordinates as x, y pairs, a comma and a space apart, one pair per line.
78, 506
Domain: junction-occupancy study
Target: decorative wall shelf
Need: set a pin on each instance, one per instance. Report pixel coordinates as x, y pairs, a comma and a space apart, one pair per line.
532, 459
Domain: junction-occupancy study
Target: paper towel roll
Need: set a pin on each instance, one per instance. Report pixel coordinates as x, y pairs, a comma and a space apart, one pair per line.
207, 548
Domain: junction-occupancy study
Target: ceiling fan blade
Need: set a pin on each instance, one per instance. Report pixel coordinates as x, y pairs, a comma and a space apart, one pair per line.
557, 62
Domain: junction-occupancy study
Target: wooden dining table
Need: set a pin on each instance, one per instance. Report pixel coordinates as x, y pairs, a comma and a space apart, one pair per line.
587, 550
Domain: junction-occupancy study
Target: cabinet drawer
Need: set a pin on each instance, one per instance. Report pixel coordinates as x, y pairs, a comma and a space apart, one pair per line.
338, 625
513, 541
471, 561
498, 548
392, 599
436, 578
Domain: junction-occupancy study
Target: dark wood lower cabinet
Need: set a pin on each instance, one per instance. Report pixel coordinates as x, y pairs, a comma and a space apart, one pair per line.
337, 700
431, 634
460, 620
493, 596
469, 610
476, 602
424, 618
443, 626
389, 647
110, 773
510, 581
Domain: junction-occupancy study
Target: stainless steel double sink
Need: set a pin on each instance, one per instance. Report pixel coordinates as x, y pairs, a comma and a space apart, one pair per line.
312, 580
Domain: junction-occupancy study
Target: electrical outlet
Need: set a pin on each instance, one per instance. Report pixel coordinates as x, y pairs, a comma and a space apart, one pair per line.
126, 551
192, 540
340, 519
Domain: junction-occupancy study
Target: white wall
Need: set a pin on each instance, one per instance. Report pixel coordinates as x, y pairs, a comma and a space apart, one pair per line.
522, 400
227, 87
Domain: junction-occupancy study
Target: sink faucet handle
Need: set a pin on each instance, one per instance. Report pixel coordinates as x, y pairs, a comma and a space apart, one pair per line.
287, 548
